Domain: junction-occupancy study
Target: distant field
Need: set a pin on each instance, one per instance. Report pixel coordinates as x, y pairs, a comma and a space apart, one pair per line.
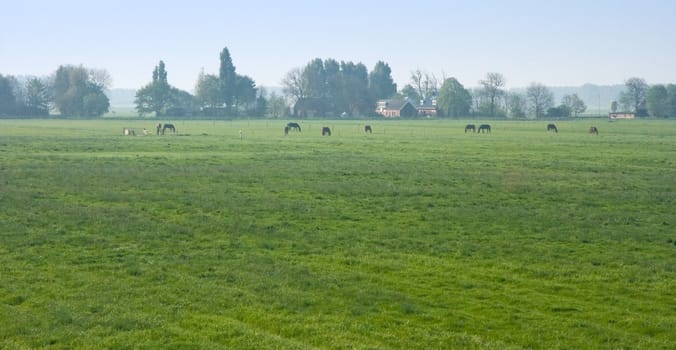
418, 236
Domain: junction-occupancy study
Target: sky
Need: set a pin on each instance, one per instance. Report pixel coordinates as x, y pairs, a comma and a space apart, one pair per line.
552, 42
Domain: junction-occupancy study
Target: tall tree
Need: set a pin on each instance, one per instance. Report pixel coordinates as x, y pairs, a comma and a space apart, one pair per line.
540, 99
228, 78
633, 98
37, 97
7, 96
381, 84
574, 104
77, 93
454, 100
491, 87
155, 97
425, 84
208, 93
657, 101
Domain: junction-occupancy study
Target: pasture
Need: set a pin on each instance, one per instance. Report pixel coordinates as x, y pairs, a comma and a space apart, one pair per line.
416, 236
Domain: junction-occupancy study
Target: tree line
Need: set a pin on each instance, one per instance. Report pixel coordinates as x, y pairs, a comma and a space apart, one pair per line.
322, 88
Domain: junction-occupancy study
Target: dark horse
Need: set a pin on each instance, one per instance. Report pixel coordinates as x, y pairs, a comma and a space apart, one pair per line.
552, 127
326, 131
367, 128
170, 127
484, 128
594, 130
286, 130
470, 127
293, 126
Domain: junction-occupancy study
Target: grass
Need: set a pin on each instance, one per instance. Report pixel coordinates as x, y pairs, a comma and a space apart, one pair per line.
417, 236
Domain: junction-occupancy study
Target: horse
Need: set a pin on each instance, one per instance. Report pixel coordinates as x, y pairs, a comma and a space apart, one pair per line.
484, 128
326, 131
470, 127
158, 128
594, 130
170, 127
367, 128
286, 130
552, 127
293, 126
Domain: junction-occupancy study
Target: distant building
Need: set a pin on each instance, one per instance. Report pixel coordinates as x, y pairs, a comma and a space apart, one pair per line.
621, 115
396, 109
428, 108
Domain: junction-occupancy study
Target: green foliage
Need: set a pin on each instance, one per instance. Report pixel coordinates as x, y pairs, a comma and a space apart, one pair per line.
228, 80
417, 236
454, 100
77, 93
381, 85
661, 101
7, 96
633, 98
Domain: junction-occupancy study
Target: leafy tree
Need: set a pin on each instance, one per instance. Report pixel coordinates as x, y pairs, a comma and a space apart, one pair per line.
633, 98
574, 104
410, 93
155, 97
516, 105
37, 97
208, 92
7, 96
78, 93
228, 79
381, 85
454, 100
245, 92
561, 111
492, 89
613, 106
657, 101
540, 99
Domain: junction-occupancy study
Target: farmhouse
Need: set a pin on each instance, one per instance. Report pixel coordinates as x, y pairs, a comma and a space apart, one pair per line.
621, 115
396, 108
428, 108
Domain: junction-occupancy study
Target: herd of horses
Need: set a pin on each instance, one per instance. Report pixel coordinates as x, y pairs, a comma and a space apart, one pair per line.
326, 131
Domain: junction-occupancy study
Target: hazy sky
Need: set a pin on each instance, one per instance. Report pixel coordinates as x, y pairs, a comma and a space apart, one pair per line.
556, 42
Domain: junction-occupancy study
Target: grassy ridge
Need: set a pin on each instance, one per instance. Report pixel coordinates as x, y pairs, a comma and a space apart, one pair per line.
417, 236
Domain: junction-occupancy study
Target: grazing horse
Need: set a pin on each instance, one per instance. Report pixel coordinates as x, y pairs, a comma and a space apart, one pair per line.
286, 130
470, 127
326, 131
293, 126
158, 128
367, 128
552, 127
594, 130
170, 127
484, 128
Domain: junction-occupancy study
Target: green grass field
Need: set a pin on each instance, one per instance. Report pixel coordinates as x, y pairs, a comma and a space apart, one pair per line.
417, 236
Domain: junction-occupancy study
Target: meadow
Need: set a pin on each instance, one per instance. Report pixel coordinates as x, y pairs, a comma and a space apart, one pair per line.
417, 236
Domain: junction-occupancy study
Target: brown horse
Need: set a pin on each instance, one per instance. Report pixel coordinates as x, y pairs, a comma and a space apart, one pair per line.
470, 127
326, 131
367, 128
552, 127
594, 130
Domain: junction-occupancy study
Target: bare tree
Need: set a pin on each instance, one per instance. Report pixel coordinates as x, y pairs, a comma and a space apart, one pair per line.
492, 89
294, 85
539, 99
425, 84
634, 97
